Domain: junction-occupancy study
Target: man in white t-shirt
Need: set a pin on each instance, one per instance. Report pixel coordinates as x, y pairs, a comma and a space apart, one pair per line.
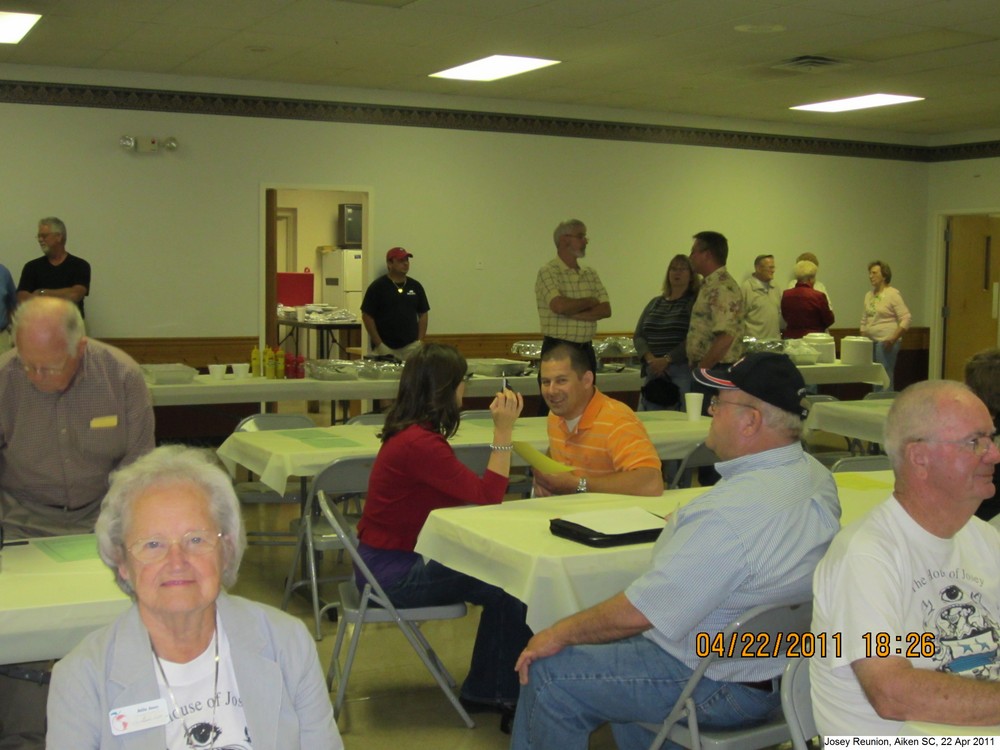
909, 596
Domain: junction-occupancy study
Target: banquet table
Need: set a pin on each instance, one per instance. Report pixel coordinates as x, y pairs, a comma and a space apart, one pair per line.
864, 420
53, 592
232, 390
277, 455
510, 545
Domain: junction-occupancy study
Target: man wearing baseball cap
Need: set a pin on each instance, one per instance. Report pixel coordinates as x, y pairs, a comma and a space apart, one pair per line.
753, 539
394, 309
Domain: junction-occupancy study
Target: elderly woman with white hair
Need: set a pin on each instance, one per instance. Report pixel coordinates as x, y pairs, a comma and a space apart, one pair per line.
187, 666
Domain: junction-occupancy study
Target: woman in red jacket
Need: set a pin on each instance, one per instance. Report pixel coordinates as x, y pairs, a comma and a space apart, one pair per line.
415, 472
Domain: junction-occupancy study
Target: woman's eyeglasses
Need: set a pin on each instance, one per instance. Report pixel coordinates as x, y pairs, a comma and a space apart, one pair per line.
193, 544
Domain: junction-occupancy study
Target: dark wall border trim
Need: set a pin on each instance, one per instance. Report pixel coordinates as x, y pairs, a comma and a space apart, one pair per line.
234, 105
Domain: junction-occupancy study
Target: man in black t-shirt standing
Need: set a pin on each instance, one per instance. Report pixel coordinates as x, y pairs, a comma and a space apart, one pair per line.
56, 273
394, 310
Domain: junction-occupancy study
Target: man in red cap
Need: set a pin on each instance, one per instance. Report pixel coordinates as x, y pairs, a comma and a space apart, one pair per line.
394, 309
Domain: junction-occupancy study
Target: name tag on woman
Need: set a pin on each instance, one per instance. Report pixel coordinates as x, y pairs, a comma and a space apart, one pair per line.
138, 716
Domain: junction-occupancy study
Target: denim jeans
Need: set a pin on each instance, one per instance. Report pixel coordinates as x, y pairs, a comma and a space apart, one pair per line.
572, 693
888, 360
680, 374
502, 632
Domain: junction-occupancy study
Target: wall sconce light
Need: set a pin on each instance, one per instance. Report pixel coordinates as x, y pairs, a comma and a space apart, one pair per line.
145, 144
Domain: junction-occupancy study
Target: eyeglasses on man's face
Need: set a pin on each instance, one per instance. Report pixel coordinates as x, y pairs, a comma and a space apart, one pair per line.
715, 403
979, 445
192, 544
45, 372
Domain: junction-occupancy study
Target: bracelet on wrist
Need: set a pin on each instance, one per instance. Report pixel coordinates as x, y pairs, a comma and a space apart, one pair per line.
502, 448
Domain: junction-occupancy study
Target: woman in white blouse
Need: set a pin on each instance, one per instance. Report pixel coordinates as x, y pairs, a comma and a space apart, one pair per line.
885, 317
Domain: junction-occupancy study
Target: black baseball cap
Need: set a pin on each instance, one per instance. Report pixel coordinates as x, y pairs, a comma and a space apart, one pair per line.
769, 376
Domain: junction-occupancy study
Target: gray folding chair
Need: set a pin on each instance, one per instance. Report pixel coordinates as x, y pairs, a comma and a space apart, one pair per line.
375, 418
771, 619
519, 483
344, 480
700, 455
796, 703
862, 463
257, 493
477, 414
876, 395
474, 456
372, 605
827, 458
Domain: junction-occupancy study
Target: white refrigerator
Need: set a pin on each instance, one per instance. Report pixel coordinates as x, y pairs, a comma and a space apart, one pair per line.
341, 280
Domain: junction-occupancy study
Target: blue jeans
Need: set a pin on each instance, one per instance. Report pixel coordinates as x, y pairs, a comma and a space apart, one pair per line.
680, 374
502, 632
580, 688
888, 360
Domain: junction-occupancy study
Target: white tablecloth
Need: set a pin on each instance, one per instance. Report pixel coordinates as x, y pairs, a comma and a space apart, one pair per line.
231, 390
864, 420
48, 605
510, 545
277, 455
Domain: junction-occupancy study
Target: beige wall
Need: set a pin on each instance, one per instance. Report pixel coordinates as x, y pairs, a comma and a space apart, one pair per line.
175, 239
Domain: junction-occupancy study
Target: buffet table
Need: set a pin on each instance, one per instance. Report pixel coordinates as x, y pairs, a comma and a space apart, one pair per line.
277, 455
510, 545
232, 390
52, 593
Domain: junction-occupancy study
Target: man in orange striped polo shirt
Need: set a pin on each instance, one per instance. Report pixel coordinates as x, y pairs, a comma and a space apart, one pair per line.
599, 436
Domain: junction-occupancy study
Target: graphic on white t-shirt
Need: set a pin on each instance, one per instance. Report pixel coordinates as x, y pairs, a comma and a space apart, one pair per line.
967, 639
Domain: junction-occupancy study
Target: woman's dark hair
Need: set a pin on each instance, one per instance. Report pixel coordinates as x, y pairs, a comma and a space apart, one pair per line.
427, 392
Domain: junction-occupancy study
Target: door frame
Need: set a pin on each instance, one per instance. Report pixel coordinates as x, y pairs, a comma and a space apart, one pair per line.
939, 275
267, 287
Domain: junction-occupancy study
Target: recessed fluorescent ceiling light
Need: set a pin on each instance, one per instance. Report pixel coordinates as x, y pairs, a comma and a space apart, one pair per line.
859, 102
13, 26
494, 67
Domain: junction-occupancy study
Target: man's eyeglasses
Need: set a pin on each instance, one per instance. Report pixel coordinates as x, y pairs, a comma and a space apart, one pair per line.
980, 445
44, 372
714, 403
192, 544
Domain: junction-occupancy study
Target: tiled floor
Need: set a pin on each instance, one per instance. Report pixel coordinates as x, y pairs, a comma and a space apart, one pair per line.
392, 700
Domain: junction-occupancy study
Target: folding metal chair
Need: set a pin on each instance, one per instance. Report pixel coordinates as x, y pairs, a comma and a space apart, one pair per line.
375, 418
257, 493
862, 463
345, 479
796, 703
770, 619
372, 605
700, 455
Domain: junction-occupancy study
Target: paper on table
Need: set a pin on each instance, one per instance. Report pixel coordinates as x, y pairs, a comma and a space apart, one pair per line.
538, 460
616, 521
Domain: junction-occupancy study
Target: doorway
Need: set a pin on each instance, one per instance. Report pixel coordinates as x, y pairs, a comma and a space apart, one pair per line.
298, 222
972, 290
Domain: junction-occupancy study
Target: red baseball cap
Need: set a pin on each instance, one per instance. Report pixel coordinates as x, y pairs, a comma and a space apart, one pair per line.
398, 253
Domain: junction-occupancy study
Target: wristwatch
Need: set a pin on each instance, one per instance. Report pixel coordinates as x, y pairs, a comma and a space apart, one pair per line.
581, 486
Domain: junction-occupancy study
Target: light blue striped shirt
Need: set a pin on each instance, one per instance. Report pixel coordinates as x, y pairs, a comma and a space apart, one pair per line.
755, 538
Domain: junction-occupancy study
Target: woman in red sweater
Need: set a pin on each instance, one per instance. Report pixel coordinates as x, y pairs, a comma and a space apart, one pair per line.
415, 472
